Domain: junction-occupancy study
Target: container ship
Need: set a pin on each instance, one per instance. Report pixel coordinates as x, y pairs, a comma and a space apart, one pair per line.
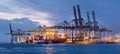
47, 36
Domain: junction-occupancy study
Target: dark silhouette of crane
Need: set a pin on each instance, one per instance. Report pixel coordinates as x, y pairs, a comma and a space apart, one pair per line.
15, 34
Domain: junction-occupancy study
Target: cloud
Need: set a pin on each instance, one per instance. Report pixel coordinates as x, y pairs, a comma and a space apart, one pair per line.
21, 10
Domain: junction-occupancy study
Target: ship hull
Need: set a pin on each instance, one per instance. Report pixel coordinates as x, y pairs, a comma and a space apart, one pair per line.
59, 41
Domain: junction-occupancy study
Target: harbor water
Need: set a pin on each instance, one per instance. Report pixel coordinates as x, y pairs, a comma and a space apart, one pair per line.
59, 49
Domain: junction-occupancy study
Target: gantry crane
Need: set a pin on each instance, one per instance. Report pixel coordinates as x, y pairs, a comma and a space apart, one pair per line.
16, 35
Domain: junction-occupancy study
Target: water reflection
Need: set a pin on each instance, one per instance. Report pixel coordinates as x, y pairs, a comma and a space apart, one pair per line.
54, 49
59, 49
49, 49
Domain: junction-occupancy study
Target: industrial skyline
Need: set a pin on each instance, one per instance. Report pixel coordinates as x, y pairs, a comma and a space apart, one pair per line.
26, 14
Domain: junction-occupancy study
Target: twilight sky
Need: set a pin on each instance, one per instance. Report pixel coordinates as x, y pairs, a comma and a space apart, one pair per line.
27, 14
